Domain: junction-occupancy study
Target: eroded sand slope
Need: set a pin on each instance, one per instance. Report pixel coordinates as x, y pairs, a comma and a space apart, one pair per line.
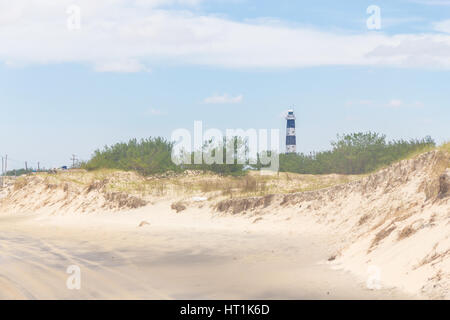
397, 220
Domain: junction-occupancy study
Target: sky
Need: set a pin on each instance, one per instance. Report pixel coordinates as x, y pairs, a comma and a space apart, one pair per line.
78, 75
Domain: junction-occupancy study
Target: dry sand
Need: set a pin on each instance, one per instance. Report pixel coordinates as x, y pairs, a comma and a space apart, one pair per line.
189, 256
395, 222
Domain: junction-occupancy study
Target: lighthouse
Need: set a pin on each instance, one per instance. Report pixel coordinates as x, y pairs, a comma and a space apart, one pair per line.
291, 145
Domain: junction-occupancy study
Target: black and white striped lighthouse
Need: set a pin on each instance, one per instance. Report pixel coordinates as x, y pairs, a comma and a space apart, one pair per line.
291, 143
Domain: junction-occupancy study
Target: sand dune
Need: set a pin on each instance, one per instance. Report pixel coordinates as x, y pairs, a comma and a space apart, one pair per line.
395, 221
322, 244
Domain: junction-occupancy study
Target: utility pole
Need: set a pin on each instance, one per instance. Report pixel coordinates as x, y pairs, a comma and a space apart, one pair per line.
26, 166
3, 167
39, 167
74, 158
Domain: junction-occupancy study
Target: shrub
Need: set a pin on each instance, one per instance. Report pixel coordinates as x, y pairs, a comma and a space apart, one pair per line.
356, 153
148, 156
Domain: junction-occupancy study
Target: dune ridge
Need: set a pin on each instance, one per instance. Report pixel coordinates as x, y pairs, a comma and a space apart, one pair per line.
397, 220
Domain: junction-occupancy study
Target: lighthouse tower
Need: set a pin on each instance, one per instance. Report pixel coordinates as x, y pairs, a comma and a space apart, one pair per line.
291, 145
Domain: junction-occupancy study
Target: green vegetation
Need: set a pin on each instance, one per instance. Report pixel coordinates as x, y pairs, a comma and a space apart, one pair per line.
18, 172
356, 153
219, 153
147, 156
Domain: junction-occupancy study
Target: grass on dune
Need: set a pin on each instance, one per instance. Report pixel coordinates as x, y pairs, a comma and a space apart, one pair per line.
445, 147
197, 183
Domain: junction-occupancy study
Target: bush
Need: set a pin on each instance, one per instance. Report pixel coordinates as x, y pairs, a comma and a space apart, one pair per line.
233, 145
355, 153
148, 156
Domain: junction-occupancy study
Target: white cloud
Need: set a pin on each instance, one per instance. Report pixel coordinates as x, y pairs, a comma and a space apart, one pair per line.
158, 3
433, 2
121, 66
415, 51
155, 112
442, 26
222, 99
127, 36
395, 103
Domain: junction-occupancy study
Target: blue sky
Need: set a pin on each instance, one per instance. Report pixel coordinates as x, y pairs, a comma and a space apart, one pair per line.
147, 67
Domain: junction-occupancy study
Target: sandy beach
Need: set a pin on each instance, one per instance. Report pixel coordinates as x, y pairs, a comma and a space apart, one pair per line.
381, 236
197, 258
